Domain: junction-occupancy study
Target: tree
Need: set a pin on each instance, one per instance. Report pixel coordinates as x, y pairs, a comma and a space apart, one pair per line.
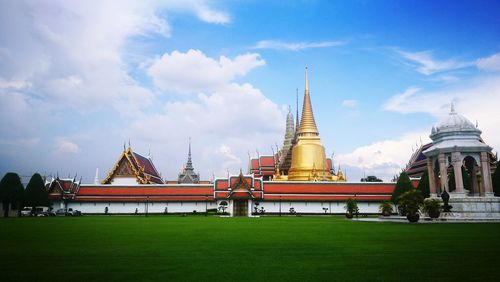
496, 180
371, 178
36, 195
423, 185
411, 201
351, 207
465, 180
403, 185
11, 191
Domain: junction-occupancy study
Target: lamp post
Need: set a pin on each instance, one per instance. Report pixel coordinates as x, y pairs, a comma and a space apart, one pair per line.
206, 205
147, 205
280, 205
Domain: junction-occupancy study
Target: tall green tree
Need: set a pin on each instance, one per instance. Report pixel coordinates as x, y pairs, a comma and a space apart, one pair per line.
11, 191
36, 195
496, 180
371, 178
466, 180
403, 185
423, 185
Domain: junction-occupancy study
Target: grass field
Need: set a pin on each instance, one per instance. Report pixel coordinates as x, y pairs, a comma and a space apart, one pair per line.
244, 249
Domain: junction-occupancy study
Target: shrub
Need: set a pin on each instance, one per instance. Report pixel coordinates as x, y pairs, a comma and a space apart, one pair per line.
403, 185
36, 194
11, 191
386, 208
496, 180
423, 185
411, 201
432, 207
351, 206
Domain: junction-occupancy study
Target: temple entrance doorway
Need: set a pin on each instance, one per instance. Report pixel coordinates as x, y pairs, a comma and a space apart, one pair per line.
240, 208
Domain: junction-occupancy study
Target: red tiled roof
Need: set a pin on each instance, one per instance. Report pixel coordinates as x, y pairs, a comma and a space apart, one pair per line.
145, 198
354, 188
146, 164
145, 191
256, 184
267, 161
327, 197
221, 184
234, 179
255, 164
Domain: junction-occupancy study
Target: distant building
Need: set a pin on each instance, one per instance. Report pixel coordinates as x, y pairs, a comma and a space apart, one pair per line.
187, 174
133, 168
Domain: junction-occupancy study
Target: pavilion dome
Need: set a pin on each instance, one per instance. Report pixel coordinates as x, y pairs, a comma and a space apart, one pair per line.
454, 122
456, 133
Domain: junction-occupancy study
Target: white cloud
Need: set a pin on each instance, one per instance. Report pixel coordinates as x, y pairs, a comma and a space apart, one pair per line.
14, 84
491, 63
81, 57
295, 46
349, 103
426, 64
383, 158
210, 15
477, 100
193, 71
223, 126
231, 159
66, 146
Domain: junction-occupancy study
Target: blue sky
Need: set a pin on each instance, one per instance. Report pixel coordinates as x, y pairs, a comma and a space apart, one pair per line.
79, 78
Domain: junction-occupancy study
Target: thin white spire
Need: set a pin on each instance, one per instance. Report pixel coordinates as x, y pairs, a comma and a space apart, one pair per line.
96, 179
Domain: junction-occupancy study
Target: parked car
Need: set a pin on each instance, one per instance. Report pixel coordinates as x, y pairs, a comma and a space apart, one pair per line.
26, 211
72, 212
43, 211
61, 212
68, 212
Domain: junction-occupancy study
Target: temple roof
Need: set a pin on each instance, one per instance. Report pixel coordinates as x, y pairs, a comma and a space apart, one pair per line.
132, 164
187, 174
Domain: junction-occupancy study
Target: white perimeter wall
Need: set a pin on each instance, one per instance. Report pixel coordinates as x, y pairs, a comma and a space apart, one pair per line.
189, 207
129, 207
316, 207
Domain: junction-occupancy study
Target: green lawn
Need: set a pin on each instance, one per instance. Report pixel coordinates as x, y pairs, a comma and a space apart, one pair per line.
244, 249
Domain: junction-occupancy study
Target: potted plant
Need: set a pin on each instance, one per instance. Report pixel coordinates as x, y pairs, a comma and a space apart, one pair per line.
386, 208
351, 207
412, 201
432, 207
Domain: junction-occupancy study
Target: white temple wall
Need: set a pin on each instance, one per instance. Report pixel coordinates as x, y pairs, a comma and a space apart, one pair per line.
189, 207
124, 181
315, 207
130, 207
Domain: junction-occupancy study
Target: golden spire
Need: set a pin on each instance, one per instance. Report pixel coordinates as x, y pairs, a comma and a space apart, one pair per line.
308, 154
307, 123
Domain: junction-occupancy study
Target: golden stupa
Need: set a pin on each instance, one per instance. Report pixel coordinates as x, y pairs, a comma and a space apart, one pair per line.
308, 155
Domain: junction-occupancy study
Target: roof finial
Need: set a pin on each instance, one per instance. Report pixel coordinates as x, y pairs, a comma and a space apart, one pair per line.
96, 179
307, 123
306, 82
297, 108
189, 164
